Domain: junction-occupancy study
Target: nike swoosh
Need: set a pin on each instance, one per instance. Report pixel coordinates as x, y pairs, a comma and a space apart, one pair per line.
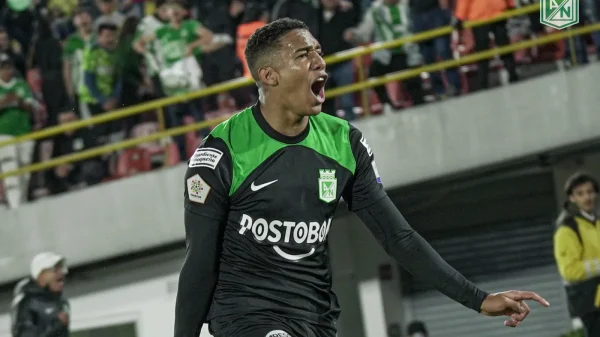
255, 188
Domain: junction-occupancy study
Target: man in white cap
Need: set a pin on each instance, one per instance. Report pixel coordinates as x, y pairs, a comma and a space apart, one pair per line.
39, 308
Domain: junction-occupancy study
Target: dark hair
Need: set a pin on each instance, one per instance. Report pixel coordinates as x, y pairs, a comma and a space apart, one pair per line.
416, 326
265, 41
576, 180
107, 26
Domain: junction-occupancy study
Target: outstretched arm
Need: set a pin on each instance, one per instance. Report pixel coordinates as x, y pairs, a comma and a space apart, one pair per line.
366, 197
413, 253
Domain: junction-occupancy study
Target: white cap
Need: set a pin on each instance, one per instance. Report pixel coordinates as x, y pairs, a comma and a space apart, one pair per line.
46, 260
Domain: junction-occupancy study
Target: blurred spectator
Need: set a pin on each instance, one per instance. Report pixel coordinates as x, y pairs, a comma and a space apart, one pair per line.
179, 42
16, 104
79, 174
13, 49
428, 15
306, 11
110, 14
417, 329
592, 16
255, 16
73, 51
220, 64
147, 28
102, 88
39, 308
390, 20
46, 56
335, 21
472, 10
577, 250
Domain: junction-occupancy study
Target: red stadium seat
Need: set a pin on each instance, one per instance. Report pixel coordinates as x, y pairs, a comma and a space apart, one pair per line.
133, 161
192, 141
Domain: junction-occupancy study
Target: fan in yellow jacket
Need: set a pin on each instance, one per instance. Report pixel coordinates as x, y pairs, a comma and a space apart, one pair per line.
577, 250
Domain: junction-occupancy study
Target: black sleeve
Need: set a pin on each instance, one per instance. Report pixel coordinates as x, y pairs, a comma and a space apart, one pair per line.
22, 320
414, 254
207, 183
365, 186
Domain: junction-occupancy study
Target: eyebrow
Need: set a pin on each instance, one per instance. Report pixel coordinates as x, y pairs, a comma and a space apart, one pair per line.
308, 48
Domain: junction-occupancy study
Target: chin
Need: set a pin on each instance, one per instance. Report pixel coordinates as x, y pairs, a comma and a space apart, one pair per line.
315, 110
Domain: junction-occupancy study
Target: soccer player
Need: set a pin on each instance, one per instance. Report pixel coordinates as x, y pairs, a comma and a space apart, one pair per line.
260, 194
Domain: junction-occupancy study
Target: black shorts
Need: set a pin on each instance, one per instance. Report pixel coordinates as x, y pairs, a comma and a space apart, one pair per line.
269, 326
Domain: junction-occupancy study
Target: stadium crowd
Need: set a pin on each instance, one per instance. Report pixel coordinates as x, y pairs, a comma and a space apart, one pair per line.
64, 60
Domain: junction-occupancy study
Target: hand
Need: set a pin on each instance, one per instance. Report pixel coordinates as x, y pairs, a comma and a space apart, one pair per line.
511, 303
348, 35
63, 317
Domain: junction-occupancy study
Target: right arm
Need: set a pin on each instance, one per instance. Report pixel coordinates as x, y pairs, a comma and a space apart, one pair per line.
568, 255
207, 183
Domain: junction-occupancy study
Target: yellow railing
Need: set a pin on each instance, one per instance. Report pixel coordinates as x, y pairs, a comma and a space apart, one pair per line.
242, 82
401, 75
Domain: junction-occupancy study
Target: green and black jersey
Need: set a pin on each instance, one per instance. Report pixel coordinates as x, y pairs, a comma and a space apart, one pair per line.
276, 196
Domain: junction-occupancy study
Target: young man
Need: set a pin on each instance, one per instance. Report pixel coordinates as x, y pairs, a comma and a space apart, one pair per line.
101, 88
73, 51
260, 195
577, 250
39, 308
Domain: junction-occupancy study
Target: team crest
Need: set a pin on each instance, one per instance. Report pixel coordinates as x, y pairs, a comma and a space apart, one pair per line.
327, 185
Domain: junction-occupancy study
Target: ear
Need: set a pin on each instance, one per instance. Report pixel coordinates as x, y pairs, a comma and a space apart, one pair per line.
571, 199
268, 76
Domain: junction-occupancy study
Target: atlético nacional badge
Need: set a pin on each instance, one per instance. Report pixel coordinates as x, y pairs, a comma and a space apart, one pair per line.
327, 185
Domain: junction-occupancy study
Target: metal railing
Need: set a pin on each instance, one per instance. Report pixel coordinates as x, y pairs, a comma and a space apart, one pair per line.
363, 85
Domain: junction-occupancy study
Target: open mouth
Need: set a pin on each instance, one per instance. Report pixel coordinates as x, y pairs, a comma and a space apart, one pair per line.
318, 88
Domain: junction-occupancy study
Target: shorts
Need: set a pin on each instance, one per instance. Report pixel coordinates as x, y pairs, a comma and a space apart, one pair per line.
270, 326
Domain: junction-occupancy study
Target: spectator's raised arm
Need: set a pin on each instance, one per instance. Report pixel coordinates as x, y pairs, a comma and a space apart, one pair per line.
139, 45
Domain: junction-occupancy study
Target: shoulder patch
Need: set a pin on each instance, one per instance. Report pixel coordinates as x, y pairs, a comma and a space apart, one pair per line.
363, 141
197, 189
206, 157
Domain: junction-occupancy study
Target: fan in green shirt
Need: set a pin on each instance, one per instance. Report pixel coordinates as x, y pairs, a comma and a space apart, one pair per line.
101, 83
16, 101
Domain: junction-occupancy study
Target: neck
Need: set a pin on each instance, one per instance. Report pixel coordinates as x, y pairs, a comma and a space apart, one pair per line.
280, 118
175, 24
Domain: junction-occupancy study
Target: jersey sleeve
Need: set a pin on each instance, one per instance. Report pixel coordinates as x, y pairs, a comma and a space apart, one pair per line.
208, 179
365, 187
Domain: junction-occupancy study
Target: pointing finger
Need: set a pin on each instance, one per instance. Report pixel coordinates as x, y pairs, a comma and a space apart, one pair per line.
527, 295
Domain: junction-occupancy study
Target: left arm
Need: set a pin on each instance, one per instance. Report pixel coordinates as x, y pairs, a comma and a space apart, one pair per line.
366, 197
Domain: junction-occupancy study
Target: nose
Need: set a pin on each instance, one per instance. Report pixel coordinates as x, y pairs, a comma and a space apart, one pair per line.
318, 62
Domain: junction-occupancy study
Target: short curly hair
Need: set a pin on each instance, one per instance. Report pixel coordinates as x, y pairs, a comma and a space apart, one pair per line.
265, 41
